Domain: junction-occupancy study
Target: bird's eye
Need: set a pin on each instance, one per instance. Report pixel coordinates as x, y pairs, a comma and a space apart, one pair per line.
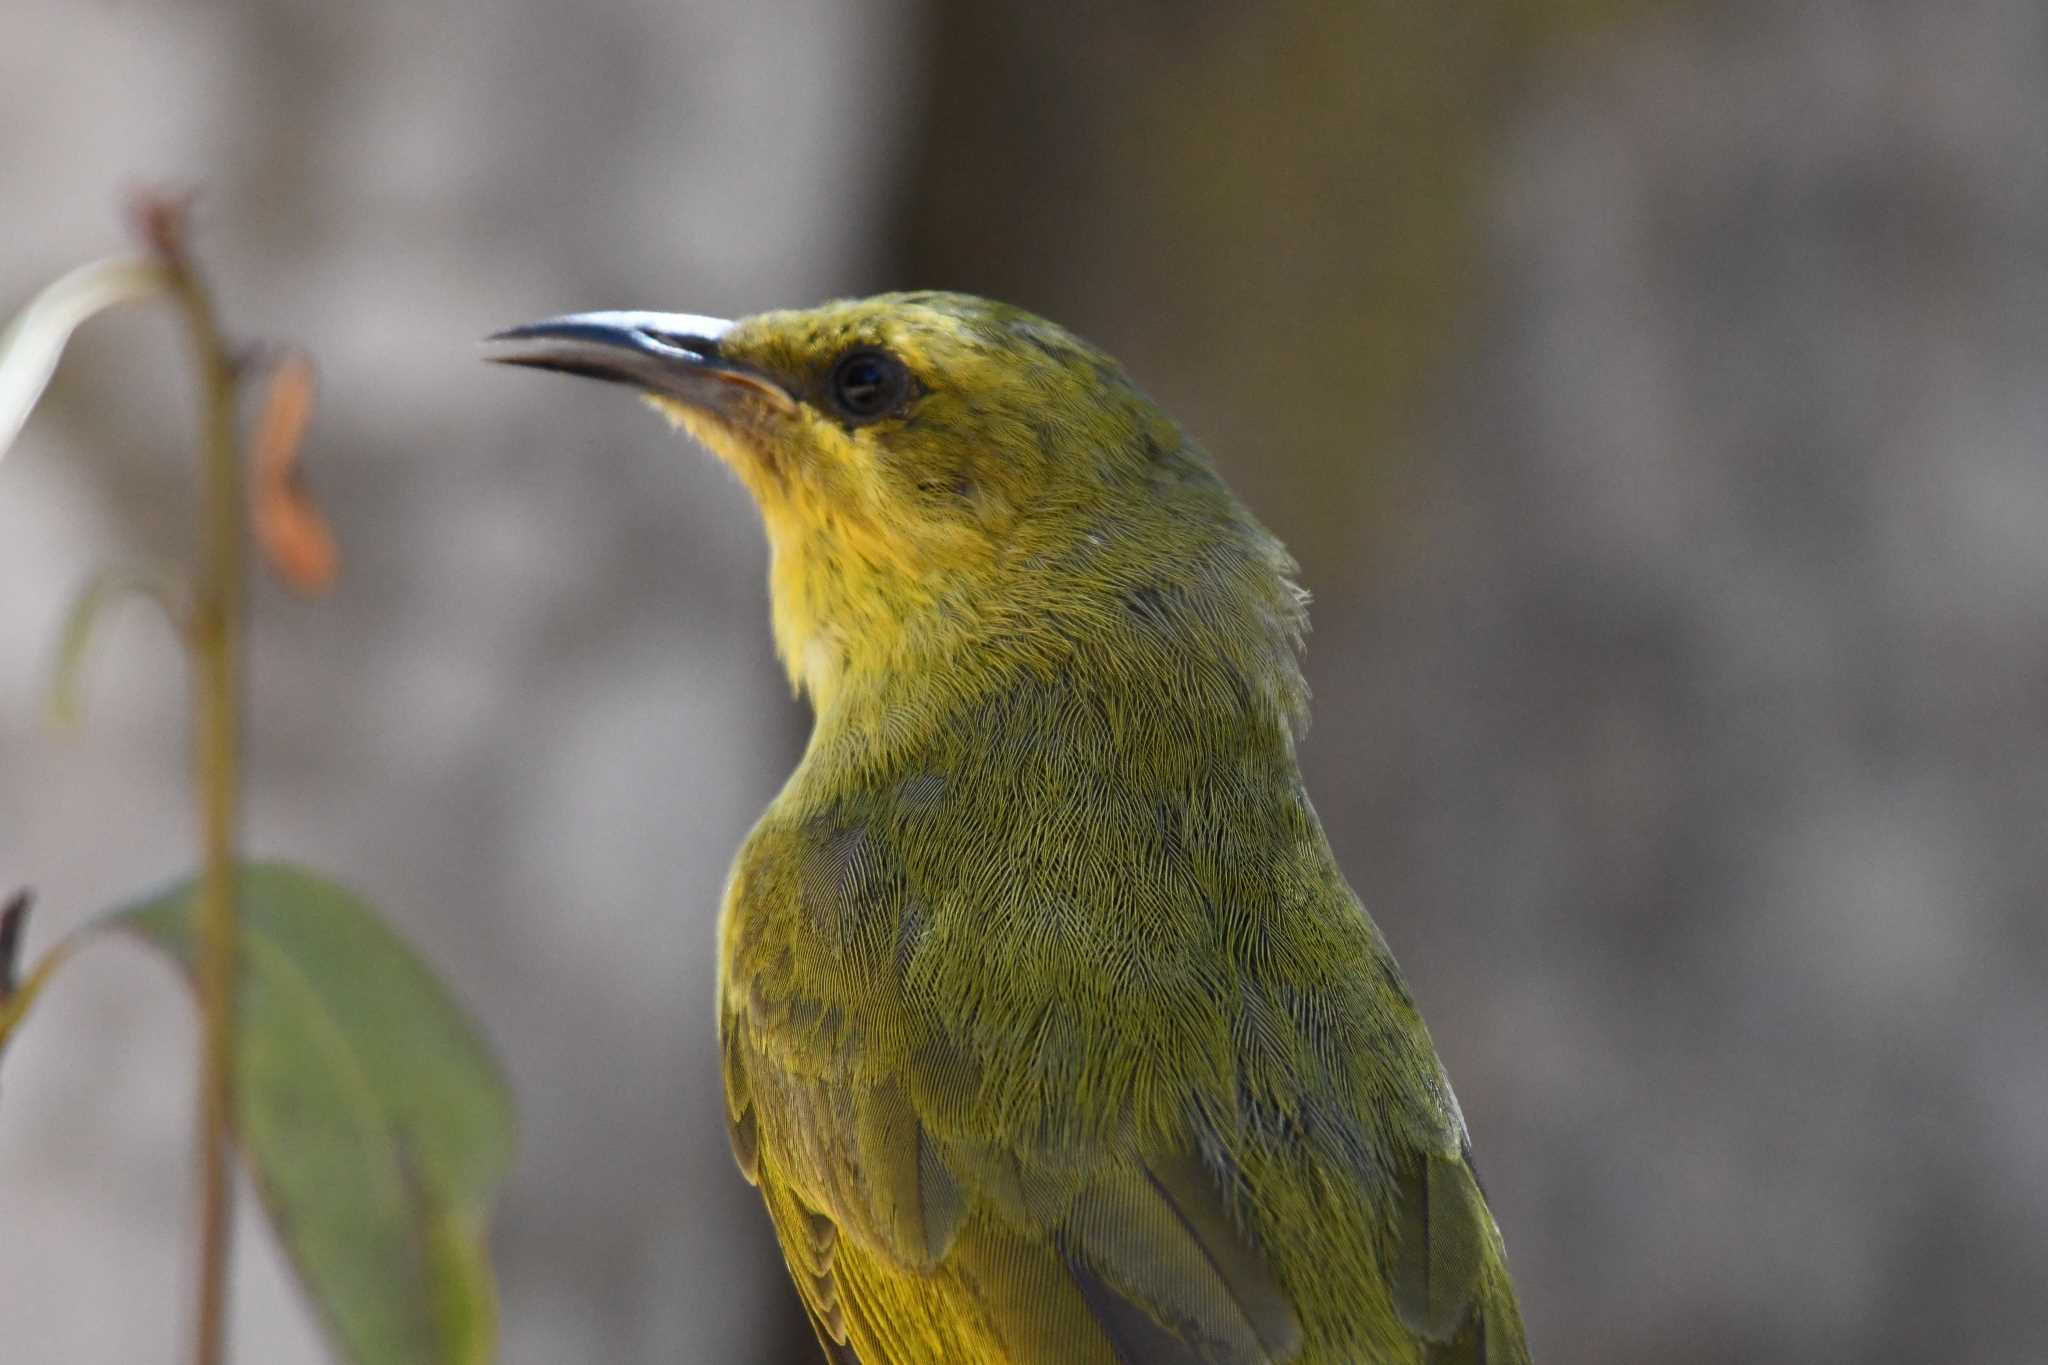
869, 383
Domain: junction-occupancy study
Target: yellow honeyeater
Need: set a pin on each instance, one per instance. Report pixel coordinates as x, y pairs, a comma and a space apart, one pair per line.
1051, 1032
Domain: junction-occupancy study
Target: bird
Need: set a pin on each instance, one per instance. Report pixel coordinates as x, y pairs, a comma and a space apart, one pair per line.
1050, 1029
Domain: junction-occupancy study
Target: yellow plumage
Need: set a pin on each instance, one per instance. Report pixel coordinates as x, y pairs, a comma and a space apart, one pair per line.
1051, 1031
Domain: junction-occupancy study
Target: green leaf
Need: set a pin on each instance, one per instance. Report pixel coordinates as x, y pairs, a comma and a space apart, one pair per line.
375, 1122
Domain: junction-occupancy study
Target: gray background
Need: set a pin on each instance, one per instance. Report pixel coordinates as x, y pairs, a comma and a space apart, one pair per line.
1656, 395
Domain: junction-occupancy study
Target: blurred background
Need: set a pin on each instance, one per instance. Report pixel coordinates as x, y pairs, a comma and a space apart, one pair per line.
1656, 395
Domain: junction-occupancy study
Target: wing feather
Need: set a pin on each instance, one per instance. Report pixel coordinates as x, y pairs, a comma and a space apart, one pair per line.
934, 1203
1078, 1256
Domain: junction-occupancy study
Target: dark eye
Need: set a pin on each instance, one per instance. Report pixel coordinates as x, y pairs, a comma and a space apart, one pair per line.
869, 383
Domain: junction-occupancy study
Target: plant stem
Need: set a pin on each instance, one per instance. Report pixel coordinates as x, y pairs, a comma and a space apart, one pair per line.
216, 660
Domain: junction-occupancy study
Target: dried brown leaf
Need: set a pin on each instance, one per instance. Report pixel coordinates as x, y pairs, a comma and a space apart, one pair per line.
296, 541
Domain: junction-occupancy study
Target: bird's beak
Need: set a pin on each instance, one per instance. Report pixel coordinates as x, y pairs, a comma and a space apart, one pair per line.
674, 355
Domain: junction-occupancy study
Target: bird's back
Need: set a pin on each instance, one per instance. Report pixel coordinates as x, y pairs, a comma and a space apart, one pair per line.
1052, 1033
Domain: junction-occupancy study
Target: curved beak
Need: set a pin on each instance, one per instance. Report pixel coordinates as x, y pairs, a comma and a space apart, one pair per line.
675, 355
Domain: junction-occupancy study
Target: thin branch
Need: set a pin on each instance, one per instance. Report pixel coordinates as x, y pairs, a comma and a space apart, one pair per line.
216, 634
17, 992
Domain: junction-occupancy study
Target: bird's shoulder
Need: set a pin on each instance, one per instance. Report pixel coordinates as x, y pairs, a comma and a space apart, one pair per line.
1043, 909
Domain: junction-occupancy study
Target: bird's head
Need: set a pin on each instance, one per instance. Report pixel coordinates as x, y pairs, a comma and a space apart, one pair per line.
935, 471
